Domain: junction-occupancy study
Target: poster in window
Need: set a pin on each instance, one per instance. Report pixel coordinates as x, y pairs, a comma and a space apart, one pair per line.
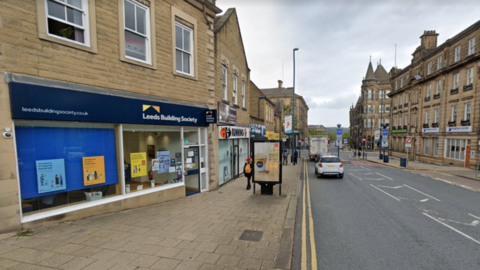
164, 161
155, 164
266, 161
139, 164
93, 170
51, 175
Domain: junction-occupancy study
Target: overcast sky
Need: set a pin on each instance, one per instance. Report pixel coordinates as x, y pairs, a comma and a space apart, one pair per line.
336, 39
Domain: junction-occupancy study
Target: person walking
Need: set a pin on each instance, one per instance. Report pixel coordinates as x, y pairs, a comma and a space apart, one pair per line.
247, 170
295, 157
285, 157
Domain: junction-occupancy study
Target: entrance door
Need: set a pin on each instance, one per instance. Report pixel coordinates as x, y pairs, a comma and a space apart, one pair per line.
235, 161
192, 170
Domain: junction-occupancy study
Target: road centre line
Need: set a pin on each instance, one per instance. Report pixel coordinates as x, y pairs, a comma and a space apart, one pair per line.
356, 176
473, 216
391, 187
452, 228
313, 248
384, 176
386, 193
422, 193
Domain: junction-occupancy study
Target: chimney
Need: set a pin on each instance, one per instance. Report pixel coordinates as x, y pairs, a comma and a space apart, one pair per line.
280, 83
429, 39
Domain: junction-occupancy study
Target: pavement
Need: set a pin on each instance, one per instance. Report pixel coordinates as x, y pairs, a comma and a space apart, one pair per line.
202, 231
464, 177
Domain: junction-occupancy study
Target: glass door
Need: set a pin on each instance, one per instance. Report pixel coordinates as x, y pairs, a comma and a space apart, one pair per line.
192, 170
235, 160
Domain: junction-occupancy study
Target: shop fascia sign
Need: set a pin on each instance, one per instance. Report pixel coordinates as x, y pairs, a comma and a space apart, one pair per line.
430, 130
459, 129
257, 130
229, 132
399, 131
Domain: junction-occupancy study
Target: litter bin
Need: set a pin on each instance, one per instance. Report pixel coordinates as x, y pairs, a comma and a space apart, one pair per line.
403, 162
385, 159
381, 156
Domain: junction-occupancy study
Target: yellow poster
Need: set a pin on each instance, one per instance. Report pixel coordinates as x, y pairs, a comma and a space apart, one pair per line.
276, 136
139, 164
269, 135
93, 170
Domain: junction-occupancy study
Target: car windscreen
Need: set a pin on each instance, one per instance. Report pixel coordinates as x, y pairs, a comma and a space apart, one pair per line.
330, 160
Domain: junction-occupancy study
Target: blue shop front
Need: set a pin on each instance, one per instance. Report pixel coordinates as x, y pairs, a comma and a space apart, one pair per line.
80, 148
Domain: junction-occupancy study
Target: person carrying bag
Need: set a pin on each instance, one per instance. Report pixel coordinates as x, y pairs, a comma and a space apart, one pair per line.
247, 170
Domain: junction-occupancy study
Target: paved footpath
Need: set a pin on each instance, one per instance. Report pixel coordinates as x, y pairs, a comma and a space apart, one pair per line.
459, 176
197, 232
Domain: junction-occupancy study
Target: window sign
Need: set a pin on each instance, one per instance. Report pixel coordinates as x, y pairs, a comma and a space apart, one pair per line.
93, 170
51, 175
266, 161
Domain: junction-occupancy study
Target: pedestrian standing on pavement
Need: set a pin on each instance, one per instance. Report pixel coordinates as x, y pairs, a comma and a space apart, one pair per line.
247, 170
285, 157
295, 157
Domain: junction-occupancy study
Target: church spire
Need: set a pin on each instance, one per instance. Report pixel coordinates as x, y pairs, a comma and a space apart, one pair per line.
370, 75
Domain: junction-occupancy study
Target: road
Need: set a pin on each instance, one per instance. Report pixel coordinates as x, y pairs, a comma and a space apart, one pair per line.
378, 217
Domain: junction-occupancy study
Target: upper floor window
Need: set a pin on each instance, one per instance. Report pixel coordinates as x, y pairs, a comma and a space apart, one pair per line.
469, 76
381, 94
457, 53
467, 112
224, 82
429, 68
427, 116
401, 82
429, 88
439, 62
373, 94
184, 48
437, 115
471, 46
386, 93
401, 99
396, 85
407, 97
439, 87
243, 94
369, 94
454, 114
137, 31
387, 108
235, 99
416, 96
455, 80
370, 109
68, 20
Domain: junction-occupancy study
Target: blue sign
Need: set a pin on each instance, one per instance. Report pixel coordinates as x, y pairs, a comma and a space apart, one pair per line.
36, 102
339, 131
385, 132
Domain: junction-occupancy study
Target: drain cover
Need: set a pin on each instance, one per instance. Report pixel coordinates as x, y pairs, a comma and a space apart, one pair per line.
248, 235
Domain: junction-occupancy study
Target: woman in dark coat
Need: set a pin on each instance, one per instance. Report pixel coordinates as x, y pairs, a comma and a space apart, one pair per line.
248, 174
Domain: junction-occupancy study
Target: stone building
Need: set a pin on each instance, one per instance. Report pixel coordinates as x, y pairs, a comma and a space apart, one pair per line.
437, 95
106, 104
317, 128
262, 109
371, 110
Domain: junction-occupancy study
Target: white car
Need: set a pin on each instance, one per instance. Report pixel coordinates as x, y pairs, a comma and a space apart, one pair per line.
329, 165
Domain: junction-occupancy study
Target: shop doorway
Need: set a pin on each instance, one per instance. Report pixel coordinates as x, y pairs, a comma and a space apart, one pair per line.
192, 171
235, 159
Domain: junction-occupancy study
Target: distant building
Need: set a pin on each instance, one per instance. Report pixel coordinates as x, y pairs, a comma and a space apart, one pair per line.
318, 128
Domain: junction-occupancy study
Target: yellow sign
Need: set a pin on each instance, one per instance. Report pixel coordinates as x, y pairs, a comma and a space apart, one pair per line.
93, 170
269, 135
276, 136
139, 164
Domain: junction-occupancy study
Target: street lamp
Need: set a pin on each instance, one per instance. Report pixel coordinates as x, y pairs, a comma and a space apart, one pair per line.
293, 104
381, 125
338, 142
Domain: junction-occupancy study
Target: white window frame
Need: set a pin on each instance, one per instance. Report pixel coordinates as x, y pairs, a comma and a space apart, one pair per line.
401, 99
183, 51
426, 146
427, 116
471, 46
369, 108
369, 94
435, 147
235, 95
439, 62
401, 82
469, 76
453, 115
386, 94
406, 120
148, 47
85, 21
407, 97
387, 108
439, 87
224, 82
429, 89
437, 115
400, 120
455, 80
243, 93
467, 112
396, 85
381, 94
429, 68
458, 50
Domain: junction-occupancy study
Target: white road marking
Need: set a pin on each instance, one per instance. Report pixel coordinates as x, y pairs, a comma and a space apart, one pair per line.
385, 176
356, 176
386, 193
472, 224
452, 228
422, 193
364, 168
424, 200
392, 187
374, 179
473, 216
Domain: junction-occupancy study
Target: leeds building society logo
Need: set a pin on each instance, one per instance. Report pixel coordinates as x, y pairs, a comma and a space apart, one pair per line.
151, 112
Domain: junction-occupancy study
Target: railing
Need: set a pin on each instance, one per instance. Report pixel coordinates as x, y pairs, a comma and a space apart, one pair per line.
425, 125
405, 127
465, 122
427, 98
454, 91
436, 96
406, 104
394, 127
434, 125
395, 107
468, 87
452, 123
400, 106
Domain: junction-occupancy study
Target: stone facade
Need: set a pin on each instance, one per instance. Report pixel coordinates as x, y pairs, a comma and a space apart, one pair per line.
441, 86
317, 128
26, 49
372, 108
262, 109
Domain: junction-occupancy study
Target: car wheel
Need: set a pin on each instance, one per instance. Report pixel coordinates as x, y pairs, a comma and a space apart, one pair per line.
340, 175
319, 175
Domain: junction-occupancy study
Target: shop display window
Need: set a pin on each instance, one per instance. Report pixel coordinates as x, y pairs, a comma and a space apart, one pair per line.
225, 160
65, 163
152, 156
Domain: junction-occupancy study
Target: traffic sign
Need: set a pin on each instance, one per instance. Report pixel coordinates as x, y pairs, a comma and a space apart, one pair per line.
345, 141
339, 131
385, 132
408, 142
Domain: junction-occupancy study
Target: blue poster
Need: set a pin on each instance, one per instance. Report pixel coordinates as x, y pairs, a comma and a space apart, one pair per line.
164, 161
51, 175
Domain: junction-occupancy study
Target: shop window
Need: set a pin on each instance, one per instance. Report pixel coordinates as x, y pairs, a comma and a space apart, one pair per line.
62, 164
70, 23
225, 148
152, 157
456, 148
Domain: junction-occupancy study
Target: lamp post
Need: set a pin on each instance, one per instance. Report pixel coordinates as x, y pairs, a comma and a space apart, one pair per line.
293, 104
381, 125
338, 142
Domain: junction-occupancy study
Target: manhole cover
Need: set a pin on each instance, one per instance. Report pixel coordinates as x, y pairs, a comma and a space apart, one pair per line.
248, 235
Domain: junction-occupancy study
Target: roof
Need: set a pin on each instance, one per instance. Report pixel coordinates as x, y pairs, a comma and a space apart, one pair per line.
381, 74
370, 75
278, 92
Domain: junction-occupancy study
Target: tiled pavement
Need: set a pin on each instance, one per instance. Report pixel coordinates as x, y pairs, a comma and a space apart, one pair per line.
197, 232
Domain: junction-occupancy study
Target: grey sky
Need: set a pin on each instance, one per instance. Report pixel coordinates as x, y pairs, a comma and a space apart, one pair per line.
336, 39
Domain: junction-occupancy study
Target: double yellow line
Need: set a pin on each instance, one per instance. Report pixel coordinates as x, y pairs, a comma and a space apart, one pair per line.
313, 249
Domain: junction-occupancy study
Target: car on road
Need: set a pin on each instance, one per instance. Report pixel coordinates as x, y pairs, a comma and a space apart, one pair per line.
329, 165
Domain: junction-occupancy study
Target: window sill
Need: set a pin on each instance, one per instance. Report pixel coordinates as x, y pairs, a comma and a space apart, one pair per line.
245, 109
185, 76
90, 49
137, 63
236, 106
226, 101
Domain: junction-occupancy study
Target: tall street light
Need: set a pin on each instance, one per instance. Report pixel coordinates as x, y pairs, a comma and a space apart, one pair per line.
381, 125
293, 103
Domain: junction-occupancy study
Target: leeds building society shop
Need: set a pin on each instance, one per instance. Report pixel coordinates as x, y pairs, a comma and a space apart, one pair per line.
83, 149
